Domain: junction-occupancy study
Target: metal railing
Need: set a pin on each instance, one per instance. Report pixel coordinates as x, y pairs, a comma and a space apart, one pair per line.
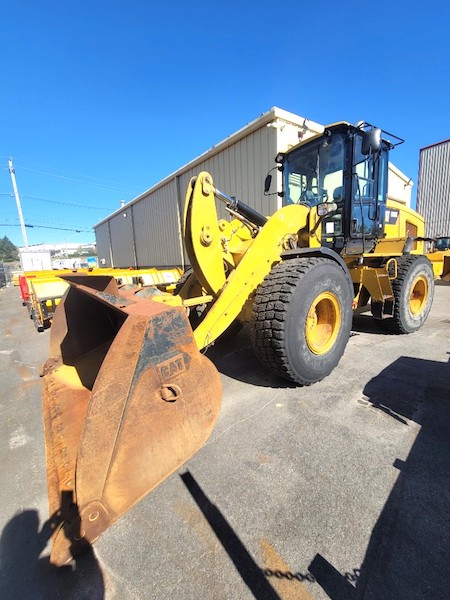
6, 274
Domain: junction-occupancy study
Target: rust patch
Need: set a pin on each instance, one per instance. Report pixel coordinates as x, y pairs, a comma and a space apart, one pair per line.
29, 384
282, 577
198, 524
25, 372
263, 459
119, 301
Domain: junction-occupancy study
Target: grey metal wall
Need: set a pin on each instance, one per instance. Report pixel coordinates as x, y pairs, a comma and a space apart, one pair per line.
103, 244
240, 169
122, 239
433, 192
157, 228
150, 235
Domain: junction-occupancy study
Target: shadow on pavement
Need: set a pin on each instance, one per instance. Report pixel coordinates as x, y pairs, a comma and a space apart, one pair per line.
248, 569
365, 323
409, 549
235, 357
26, 575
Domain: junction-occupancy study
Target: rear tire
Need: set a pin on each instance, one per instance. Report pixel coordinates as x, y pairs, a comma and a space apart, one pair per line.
413, 294
182, 280
302, 317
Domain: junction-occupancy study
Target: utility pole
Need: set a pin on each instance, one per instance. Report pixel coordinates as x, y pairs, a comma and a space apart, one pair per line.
19, 208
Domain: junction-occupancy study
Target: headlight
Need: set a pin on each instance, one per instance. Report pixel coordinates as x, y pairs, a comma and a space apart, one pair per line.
325, 208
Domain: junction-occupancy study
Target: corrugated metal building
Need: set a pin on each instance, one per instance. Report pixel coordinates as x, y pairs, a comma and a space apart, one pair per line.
433, 190
147, 232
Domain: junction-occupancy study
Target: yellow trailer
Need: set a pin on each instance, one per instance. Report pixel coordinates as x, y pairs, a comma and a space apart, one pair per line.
42, 290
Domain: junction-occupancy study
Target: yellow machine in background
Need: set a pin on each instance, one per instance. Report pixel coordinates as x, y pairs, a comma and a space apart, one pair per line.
439, 256
45, 294
127, 396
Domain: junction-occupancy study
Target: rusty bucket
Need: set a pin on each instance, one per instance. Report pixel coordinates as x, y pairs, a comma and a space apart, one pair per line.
127, 399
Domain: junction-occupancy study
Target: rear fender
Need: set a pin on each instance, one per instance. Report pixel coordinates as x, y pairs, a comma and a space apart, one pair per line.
325, 253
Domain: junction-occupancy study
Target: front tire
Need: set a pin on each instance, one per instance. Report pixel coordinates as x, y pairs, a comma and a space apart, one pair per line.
302, 316
413, 295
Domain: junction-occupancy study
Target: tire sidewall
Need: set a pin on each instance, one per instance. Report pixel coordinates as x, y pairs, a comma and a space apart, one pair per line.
408, 320
325, 277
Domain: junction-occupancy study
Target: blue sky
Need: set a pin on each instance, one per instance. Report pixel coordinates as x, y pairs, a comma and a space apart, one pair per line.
102, 99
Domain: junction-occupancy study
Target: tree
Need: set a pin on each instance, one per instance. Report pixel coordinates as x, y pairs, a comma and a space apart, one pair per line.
8, 251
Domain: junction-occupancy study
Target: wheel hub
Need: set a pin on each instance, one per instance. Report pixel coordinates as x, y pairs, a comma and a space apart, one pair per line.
323, 323
419, 295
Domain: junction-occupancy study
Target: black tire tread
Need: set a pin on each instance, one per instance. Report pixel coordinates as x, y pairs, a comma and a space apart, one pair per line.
267, 331
404, 263
182, 280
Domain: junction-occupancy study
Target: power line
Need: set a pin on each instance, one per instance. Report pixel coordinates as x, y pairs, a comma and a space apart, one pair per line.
60, 228
63, 203
73, 180
39, 216
68, 203
36, 220
78, 175
46, 227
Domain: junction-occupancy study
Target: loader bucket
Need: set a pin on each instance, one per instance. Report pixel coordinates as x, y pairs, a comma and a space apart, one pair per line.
127, 399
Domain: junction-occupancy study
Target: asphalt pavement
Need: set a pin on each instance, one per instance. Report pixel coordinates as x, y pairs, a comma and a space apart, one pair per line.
340, 490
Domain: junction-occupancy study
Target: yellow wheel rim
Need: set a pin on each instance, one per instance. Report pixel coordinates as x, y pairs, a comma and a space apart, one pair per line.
323, 323
418, 295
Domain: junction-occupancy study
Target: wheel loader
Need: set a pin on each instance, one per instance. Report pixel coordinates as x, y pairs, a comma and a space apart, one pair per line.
128, 394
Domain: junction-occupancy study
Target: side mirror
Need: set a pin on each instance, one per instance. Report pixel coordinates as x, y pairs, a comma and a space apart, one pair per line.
267, 183
371, 141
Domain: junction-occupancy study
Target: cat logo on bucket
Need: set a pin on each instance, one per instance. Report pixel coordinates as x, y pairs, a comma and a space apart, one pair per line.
171, 368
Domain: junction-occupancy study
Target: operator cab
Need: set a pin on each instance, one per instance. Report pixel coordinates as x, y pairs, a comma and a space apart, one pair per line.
348, 166
442, 244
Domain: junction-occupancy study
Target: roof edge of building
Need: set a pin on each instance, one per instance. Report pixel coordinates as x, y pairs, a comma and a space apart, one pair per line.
400, 174
273, 114
433, 145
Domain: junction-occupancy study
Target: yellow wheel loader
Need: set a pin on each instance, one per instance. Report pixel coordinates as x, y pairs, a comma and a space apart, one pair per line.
127, 395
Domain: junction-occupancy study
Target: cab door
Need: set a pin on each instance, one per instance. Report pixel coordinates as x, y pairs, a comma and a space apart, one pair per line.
369, 192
